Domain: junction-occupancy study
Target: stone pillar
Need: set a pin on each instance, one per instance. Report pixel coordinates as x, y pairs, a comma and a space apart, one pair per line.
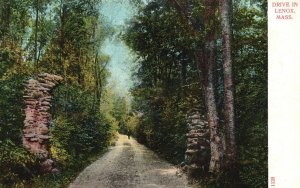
37, 117
197, 154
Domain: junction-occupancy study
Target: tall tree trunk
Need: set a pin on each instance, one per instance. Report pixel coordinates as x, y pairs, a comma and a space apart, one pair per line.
206, 57
62, 17
62, 55
216, 147
217, 150
228, 82
97, 79
36, 36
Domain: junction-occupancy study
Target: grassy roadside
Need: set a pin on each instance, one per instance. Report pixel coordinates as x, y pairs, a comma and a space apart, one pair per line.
65, 177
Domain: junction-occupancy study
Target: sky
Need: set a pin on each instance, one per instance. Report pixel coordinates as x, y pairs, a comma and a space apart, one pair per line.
117, 12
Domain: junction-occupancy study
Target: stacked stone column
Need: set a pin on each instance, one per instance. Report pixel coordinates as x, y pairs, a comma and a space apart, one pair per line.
198, 146
37, 117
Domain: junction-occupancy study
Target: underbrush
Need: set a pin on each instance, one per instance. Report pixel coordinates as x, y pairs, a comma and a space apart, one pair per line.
27, 175
65, 177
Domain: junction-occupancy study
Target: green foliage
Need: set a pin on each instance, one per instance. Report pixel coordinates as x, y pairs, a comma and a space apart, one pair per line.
80, 129
120, 113
60, 37
14, 19
250, 57
15, 162
168, 87
163, 129
14, 22
132, 122
61, 135
86, 114
166, 78
65, 177
11, 121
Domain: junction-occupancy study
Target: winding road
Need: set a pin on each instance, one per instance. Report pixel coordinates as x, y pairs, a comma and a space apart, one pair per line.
129, 164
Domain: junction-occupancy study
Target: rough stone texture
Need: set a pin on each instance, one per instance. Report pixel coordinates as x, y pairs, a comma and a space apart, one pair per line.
198, 147
37, 117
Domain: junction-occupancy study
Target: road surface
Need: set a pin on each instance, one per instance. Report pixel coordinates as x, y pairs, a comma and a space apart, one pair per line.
129, 165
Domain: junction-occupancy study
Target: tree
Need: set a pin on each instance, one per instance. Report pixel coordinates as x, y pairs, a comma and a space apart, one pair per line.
166, 75
250, 57
61, 37
36, 60
206, 59
226, 7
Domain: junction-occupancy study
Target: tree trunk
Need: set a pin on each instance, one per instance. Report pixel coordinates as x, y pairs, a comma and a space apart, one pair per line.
206, 57
36, 36
216, 147
217, 151
228, 82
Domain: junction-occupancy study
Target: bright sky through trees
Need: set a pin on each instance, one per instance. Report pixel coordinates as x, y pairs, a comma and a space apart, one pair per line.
117, 13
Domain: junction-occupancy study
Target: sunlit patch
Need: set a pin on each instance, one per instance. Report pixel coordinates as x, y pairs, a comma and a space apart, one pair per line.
169, 171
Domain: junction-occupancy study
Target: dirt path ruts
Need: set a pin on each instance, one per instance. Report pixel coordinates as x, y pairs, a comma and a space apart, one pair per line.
129, 165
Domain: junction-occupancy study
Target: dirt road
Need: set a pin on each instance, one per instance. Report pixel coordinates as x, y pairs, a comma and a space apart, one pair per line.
129, 165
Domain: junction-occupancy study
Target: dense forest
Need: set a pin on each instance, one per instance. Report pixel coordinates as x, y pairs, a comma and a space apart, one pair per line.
188, 54
207, 56
63, 38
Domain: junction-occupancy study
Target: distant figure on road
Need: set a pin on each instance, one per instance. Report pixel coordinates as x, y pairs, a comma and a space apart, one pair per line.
128, 133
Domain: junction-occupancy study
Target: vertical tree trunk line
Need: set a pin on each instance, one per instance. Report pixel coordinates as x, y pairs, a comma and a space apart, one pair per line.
217, 150
228, 82
62, 58
36, 36
206, 60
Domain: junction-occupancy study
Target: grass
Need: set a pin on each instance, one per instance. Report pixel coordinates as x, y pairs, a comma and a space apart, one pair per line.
64, 178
